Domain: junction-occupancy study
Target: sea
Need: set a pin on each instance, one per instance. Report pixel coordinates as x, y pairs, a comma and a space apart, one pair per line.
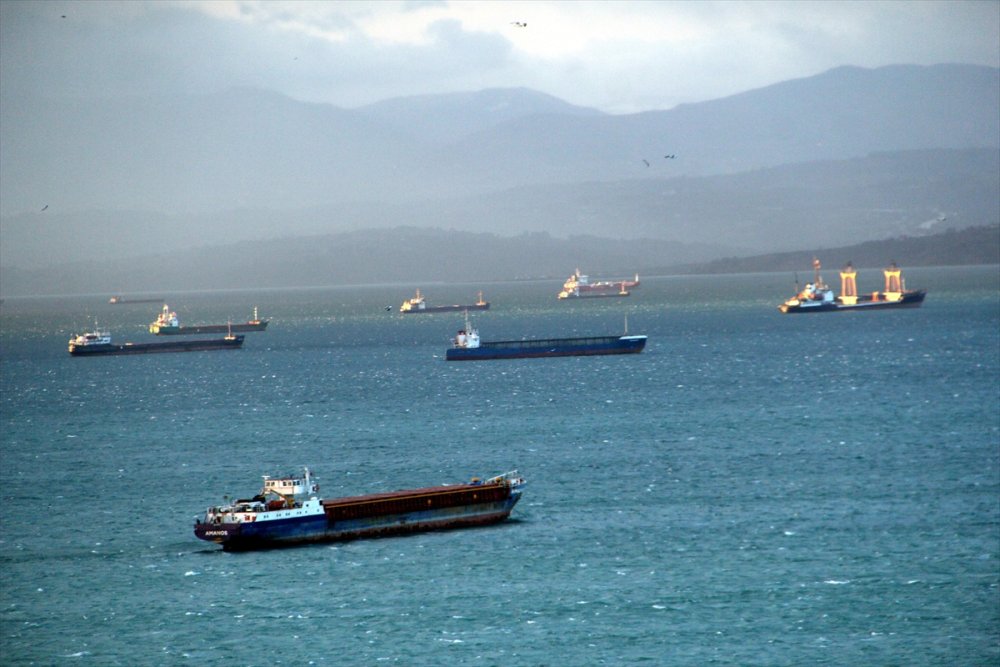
753, 489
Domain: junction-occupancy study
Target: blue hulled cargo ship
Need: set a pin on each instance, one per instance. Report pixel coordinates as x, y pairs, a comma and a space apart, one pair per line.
468, 347
288, 510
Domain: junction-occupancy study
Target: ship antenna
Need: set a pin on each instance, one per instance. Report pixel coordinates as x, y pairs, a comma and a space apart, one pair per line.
626, 324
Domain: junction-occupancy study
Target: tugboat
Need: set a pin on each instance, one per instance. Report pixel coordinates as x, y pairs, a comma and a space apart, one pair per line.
288, 510
418, 305
818, 297
167, 324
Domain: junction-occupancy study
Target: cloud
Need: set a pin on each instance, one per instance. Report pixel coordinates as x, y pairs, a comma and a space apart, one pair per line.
619, 57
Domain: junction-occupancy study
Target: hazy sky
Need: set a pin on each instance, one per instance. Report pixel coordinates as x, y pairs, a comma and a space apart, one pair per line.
616, 56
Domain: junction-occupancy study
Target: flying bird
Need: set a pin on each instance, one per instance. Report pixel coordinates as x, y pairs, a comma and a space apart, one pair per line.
670, 157
646, 162
45, 207
519, 24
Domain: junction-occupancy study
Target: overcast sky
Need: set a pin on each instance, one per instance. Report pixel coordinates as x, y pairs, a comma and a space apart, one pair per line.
619, 57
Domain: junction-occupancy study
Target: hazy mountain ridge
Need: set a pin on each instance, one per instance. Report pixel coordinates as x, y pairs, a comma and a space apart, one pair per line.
754, 172
778, 209
413, 257
952, 247
446, 117
250, 148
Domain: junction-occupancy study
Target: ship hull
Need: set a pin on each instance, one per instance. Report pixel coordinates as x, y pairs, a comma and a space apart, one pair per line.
380, 515
247, 327
554, 347
608, 285
234, 343
593, 295
446, 309
912, 299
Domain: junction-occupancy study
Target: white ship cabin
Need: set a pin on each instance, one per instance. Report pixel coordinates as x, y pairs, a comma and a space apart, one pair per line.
167, 318
91, 338
467, 337
416, 303
292, 486
296, 497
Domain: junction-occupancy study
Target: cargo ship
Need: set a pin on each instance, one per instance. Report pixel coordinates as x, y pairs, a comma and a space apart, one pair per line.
579, 282
818, 297
288, 510
167, 324
575, 293
98, 342
467, 346
418, 305
119, 300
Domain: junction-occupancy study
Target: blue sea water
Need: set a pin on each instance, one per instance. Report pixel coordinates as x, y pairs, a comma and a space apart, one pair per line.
753, 489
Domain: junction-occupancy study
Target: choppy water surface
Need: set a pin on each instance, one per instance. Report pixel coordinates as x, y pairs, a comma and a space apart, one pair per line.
752, 489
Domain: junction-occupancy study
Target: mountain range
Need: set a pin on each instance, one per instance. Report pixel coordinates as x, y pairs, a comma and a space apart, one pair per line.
424, 256
847, 156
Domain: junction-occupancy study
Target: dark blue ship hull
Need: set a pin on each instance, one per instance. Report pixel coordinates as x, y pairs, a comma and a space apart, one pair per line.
912, 299
550, 347
234, 343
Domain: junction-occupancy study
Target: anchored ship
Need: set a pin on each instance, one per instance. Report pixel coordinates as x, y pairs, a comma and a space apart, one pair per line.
288, 510
579, 285
98, 342
468, 347
418, 305
119, 300
818, 297
576, 293
167, 324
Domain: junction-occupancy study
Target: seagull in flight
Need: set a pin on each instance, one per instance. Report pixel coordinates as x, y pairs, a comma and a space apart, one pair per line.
519, 24
646, 162
670, 157
45, 207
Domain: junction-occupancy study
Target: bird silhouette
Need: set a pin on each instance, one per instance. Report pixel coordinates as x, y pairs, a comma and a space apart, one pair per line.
670, 157
45, 207
519, 24
646, 162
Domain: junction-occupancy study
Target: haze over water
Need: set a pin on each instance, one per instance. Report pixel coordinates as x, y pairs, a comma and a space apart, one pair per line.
754, 488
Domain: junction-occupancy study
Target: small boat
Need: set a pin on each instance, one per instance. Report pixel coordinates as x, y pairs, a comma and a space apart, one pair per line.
288, 510
98, 342
467, 346
167, 324
417, 304
818, 297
